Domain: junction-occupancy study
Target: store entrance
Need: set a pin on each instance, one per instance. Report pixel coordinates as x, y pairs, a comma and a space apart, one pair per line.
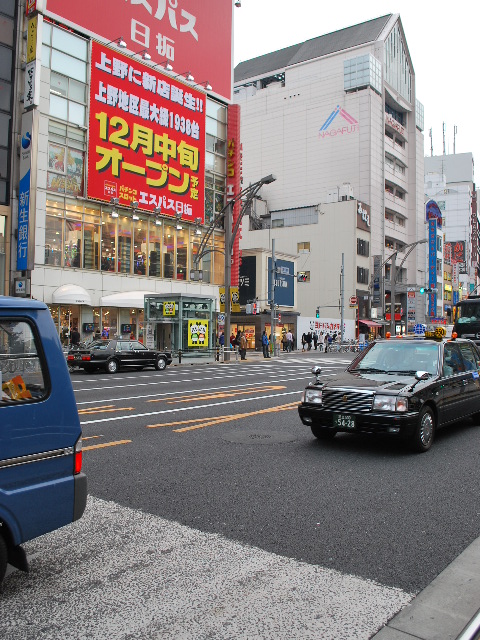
165, 336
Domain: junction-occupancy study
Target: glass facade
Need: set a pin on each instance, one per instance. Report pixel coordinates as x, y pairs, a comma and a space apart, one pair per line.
362, 71
398, 73
84, 235
7, 71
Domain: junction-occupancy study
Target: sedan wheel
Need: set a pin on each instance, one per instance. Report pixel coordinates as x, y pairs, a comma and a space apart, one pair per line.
424, 434
160, 363
112, 366
323, 433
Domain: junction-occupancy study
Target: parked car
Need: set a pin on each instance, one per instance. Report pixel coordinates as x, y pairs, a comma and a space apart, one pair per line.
403, 387
111, 355
42, 486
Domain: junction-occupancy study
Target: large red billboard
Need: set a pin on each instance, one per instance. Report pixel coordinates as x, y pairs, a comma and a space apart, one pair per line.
146, 137
194, 35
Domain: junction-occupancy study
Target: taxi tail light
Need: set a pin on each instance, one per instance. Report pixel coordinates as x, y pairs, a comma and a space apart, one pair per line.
70, 357
85, 357
77, 457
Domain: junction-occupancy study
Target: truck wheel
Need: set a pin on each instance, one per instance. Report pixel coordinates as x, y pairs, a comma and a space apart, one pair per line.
112, 366
3, 558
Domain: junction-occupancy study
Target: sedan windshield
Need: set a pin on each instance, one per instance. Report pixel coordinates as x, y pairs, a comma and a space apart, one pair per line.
402, 357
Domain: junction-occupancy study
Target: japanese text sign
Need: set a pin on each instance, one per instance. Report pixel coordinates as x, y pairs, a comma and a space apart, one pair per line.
192, 35
432, 265
146, 137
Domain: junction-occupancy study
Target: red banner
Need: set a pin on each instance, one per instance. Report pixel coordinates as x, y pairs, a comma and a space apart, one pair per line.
194, 36
146, 137
234, 181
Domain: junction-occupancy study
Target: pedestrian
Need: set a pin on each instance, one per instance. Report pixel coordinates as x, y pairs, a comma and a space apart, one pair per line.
309, 340
243, 346
289, 337
284, 342
221, 340
74, 337
328, 343
293, 342
321, 341
304, 341
232, 341
315, 339
265, 344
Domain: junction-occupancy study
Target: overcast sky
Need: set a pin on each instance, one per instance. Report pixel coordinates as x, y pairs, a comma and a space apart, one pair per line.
442, 39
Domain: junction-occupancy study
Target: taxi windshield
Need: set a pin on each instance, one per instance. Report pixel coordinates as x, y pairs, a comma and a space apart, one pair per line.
401, 357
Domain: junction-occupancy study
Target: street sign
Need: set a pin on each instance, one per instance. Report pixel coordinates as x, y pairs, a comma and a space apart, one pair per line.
353, 300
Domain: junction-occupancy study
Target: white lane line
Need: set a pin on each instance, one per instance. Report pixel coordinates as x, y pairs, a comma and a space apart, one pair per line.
167, 580
194, 408
203, 379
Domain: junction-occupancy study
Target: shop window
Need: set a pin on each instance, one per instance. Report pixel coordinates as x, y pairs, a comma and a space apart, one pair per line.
73, 243
155, 250
91, 245
182, 250
140, 235
168, 250
108, 247
363, 247
124, 254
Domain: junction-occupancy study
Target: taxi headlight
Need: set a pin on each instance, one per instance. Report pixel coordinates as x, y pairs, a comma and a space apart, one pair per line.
313, 396
389, 403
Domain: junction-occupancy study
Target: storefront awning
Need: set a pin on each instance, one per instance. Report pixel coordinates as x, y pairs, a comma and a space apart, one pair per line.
71, 294
370, 323
134, 299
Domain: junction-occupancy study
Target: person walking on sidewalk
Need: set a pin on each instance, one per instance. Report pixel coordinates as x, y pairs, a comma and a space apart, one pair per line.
243, 346
265, 344
289, 337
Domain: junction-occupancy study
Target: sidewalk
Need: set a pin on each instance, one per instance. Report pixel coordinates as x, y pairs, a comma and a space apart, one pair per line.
443, 609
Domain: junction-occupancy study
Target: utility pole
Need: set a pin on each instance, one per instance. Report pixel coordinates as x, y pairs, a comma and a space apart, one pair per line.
342, 296
272, 297
393, 277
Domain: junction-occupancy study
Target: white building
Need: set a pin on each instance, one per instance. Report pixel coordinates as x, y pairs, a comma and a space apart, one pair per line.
336, 118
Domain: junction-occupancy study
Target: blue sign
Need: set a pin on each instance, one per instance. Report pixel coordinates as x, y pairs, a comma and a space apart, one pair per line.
23, 212
432, 266
284, 282
456, 297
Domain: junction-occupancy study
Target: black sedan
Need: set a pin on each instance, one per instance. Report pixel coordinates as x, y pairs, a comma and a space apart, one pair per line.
111, 355
403, 387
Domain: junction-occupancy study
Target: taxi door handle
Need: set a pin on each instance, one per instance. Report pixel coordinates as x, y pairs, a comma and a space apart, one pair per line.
465, 382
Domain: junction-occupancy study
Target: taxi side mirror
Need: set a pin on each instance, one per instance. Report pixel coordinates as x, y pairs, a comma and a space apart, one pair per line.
422, 375
317, 371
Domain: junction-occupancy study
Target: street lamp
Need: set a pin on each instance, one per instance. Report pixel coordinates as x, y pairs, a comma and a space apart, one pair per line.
226, 215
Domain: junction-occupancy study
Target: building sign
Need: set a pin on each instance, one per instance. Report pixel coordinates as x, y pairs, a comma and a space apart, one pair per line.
248, 279
363, 216
169, 308
432, 266
390, 120
194, 36
411, 314
24, 193
31, 96
327, 325
146, 137
234, 299
234, 179
284, 282
377, 283
198, 333
328, 130
433, 211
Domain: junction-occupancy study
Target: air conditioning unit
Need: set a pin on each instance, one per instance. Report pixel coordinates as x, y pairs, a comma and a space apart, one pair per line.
346, 191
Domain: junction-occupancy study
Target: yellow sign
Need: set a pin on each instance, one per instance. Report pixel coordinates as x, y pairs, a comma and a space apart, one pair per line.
222, 299
235, 298
198, 333
169, 308
32, 39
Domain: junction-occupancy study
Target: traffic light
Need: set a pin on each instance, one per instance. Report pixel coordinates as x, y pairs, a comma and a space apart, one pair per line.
428, 290
317, 312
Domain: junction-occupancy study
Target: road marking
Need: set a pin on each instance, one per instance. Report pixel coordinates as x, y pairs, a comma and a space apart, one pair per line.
220, 419
91, 437
105, 444
193, 408
104, 409
218, 394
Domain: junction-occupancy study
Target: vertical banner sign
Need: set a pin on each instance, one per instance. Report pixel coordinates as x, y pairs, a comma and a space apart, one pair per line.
411, 315
168, 308
235, 299
432, 266
32, 68
221, 292
234, 180
24, 191
146, 137
284, 282
377, 282
198, 333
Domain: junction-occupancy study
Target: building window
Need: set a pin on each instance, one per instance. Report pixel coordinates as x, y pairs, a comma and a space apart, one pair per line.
363, 247
303, 247
439, 266
419, 115
279, 222
389, 216
389, 244
400, 221
398, 115
66, 159
362, 275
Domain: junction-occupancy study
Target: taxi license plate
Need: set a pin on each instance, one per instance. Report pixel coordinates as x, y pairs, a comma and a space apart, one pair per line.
343, 421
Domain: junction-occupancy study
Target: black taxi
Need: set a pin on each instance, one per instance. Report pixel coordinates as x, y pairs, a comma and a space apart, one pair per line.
405, 387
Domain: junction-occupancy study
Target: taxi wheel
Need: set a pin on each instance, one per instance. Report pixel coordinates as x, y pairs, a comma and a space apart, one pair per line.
3, 558
112, 366
323, 433
425, 432
160, 364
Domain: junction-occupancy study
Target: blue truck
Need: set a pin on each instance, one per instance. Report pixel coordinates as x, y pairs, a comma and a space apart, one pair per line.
42, 486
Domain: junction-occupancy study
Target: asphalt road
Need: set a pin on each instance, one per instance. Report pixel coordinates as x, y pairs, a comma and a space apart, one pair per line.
215, 456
